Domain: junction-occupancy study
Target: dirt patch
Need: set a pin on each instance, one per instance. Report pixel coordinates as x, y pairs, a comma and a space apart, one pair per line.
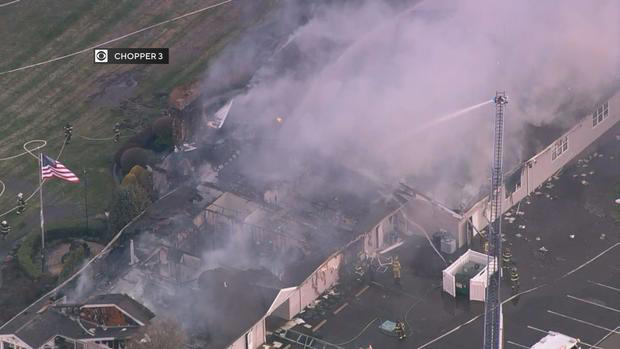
54, 256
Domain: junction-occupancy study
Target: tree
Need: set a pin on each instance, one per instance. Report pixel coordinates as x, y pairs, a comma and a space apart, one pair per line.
135, 156
162, 127
128, 202
162, 333
143, 178
130, 179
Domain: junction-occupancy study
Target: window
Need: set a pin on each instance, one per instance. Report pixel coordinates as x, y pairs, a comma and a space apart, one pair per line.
561, 146
600, 114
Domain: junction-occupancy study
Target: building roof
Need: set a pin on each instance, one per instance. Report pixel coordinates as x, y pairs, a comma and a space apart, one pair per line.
230, 302
35, 328
126, 303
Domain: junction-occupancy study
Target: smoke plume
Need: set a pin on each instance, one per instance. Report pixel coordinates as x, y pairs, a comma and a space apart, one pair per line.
360, 75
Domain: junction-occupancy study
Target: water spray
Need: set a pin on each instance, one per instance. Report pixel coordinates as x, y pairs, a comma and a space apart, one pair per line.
436, 122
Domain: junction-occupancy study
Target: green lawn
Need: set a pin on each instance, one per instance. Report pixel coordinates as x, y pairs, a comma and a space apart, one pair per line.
35, 103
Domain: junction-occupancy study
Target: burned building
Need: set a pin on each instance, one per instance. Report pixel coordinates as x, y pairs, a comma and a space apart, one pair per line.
104, 321
184, 107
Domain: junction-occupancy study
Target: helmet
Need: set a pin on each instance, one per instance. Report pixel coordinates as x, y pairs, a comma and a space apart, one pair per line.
20, 195
4, 223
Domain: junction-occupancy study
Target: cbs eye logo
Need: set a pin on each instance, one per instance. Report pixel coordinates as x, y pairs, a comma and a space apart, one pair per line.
101, 56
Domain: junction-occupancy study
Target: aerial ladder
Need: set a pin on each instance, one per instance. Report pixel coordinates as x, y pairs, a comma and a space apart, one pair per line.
493, 308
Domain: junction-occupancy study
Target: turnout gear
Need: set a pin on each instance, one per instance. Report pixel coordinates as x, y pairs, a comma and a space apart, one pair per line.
514, 277
68, 132
400, 330
5, 229
396, 270
506, 260
21, 203
117, 132
507, 256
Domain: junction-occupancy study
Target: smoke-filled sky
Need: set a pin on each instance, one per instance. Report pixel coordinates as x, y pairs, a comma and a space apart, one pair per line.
361, 76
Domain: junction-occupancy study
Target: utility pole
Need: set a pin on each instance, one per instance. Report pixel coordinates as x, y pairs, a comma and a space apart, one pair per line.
492, 305
85, 198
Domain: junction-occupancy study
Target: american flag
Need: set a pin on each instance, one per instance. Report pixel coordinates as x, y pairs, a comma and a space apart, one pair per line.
52, 168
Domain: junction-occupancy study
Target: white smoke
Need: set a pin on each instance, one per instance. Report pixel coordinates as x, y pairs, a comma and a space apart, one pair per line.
366, 73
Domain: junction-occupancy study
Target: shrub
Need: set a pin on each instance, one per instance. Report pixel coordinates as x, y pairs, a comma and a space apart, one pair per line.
130, 179
162, 128
135, 156
121, 150
142, 139
25, 254
127, 203
144, 179
72, 260
75, 232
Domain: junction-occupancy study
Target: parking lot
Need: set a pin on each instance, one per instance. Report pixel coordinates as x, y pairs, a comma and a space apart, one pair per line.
583, 305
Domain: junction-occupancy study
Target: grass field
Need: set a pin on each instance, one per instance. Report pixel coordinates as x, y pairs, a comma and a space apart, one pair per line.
37, 102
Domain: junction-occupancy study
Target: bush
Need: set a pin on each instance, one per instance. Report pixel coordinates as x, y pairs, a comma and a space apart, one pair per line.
142, 139
74, 232
162, 128
144, 179
25, 254
121, 150
135, 156
127, 203
71, 261
130, 179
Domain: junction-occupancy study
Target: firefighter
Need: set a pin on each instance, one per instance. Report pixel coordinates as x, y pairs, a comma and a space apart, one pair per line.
507, 256
117, 132
5, 229
400, 330
396, 270
68, 132
21, 203
514, 278
506, 259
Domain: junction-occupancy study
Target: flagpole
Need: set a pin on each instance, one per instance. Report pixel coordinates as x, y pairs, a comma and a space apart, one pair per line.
85, 199
42, 219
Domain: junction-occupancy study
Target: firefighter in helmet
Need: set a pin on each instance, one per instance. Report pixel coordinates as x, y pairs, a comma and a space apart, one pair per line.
506, 259
514, 277
396, 270
21, 203
400, 330
117, 132
5, 229
68, 132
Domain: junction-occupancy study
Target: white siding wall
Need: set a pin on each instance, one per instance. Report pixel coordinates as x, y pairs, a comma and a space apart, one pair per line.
431, 217
321, 280
541, 167
13, 340
258, 337
373, 239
